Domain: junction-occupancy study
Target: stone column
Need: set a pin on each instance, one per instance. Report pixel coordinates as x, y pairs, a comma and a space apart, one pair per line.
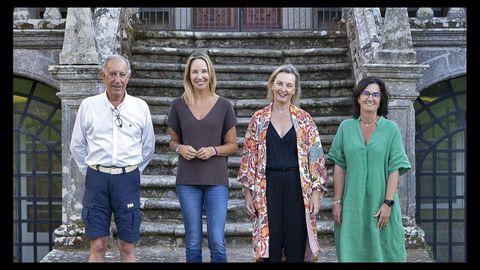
395, 62
78, 74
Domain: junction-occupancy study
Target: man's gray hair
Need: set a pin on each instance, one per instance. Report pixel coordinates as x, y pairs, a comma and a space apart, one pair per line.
115, 56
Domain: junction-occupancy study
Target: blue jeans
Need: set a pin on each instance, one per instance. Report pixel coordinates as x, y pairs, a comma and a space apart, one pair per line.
193, 199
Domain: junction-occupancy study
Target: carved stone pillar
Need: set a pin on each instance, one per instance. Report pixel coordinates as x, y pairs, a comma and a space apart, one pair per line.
78, 74
107, 31
79, 44
396, 45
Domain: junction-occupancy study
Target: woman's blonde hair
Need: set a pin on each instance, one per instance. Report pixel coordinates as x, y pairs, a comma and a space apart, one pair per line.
188, 96
290, 69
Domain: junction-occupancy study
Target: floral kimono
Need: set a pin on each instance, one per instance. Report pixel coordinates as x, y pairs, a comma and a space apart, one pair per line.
252, 174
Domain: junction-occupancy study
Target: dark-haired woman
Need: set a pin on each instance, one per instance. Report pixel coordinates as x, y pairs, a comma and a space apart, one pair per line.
369, 157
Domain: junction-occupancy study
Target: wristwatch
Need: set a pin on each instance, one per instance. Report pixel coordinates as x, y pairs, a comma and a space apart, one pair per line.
390, 203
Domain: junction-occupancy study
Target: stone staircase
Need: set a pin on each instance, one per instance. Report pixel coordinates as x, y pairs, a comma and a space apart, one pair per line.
243, 63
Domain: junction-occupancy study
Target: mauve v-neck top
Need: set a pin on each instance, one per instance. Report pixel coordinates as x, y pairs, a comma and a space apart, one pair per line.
208, 131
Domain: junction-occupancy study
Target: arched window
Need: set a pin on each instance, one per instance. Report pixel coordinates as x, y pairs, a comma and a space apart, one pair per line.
37, 169
440, 168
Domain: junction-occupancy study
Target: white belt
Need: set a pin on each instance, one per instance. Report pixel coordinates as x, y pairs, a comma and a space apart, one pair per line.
114, 170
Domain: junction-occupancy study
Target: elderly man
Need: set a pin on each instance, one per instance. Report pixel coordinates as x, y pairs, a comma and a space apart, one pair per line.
112, 143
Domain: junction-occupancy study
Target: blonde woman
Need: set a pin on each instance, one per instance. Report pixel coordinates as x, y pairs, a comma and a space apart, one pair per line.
283, 174
202, 131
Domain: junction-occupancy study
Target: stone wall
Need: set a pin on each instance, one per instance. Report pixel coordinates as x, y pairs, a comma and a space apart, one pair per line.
442, 44
34, 51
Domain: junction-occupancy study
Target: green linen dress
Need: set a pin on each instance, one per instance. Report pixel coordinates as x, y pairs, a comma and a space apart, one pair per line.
367, 168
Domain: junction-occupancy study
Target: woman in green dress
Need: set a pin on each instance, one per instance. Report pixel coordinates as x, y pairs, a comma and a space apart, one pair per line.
369, 157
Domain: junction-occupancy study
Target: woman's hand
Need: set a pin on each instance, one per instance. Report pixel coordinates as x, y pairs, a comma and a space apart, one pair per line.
337, 213
205, 152
314, 203
383, 215
187, 152
249, 207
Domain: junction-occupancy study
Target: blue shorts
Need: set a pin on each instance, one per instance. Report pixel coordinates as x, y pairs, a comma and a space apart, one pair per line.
106, 193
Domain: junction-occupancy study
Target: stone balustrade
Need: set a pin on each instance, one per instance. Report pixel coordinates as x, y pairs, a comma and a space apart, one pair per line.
25, 18
456, 18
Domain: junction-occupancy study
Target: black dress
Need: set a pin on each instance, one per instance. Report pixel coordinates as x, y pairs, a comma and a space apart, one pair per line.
285, 207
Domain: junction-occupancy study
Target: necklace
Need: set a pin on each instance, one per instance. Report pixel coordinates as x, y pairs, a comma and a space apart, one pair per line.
368, 123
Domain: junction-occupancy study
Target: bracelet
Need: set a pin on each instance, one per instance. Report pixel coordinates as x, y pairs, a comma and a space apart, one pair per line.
337, 202
178, 148
214, 149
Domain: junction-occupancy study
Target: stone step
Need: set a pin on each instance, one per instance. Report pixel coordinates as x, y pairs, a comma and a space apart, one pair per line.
260, 92
157, 104
280, 40
271, 52
162, 143
251, 56
168, 182
163, 186
332, 106
165, 209
326, 124
238, 85
236, 253
173, 233
242, 72
166, 163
